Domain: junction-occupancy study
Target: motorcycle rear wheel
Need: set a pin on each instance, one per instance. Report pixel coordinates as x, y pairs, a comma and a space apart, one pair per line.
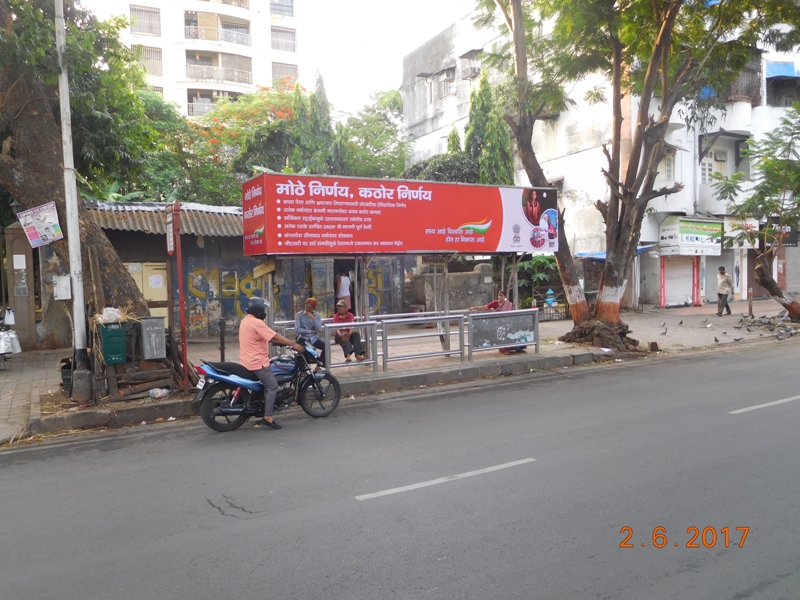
316, 404
220, 394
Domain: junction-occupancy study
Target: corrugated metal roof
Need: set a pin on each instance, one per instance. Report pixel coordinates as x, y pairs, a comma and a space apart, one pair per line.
150, 217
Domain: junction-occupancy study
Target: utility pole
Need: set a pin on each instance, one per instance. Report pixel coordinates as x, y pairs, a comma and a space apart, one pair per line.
82, 378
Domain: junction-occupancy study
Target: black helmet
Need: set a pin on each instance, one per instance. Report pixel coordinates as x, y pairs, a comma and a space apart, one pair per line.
257, 307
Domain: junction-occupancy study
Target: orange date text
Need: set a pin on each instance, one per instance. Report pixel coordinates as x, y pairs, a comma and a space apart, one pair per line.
708, 537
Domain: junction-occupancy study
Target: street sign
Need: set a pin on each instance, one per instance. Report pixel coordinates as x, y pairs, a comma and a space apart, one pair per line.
170, 231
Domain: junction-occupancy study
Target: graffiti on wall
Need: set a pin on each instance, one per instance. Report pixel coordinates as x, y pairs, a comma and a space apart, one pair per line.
214, 294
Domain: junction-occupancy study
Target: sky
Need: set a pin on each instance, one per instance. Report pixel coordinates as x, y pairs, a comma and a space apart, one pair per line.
357, 45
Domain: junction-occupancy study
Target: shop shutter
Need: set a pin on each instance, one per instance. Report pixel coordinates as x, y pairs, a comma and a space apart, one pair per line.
678, 280
713, 263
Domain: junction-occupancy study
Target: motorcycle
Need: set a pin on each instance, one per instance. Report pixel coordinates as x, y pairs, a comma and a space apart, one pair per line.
230, 394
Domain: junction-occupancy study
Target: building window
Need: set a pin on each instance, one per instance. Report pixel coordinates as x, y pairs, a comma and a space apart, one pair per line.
157, 89
284, 39
282, 7
236, 33
666, 169
447, 83
284, 72
150, 58
707, 171
145, 21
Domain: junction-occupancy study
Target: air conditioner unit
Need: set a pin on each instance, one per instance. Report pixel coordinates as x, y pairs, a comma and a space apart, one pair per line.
448, 75
470, 72
720, 156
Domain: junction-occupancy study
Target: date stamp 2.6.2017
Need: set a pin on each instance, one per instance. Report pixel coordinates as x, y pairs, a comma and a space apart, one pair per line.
708, 537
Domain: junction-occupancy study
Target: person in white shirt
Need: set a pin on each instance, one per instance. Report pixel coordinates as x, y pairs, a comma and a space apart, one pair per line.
724, 288
343, 288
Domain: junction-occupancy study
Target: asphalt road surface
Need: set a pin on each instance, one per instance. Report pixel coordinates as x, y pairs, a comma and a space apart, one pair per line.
551, 486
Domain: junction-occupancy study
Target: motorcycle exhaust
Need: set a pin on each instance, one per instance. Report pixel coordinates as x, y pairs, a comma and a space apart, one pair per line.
229, 410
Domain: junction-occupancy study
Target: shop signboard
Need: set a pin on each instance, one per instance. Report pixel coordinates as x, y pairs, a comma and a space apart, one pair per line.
679, 236
300, 214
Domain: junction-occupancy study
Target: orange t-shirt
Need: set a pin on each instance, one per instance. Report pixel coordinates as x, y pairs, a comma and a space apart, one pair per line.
254, 337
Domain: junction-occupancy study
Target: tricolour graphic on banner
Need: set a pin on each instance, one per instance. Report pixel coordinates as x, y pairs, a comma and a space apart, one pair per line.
300, 214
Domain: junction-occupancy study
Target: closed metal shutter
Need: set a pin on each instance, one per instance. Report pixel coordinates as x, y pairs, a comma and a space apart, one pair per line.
713, 263
678, 280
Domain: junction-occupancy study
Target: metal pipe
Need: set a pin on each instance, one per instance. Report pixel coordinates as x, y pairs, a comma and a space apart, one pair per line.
222, 340
71, 199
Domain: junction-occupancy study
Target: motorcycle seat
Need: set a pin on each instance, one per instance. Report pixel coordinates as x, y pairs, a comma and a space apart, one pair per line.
232, 368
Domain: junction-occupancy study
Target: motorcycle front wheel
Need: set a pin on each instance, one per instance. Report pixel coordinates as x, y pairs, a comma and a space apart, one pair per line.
220, 394
322, 402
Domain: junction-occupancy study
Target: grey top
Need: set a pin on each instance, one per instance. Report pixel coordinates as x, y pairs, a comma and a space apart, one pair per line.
307, 327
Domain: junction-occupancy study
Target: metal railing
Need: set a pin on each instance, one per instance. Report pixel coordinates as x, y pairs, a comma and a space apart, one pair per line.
207, 73
521, 325
197, 109
239, 3
192, 32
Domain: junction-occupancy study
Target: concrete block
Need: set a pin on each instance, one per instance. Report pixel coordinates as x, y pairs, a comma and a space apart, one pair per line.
583, 358
89, 419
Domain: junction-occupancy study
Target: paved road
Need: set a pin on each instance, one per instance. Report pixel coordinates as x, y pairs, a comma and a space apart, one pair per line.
180, 512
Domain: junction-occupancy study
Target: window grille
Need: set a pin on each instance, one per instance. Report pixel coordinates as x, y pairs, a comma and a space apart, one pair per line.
284, 39
150, 58
707, 171
281, 71
282, 7
145, 21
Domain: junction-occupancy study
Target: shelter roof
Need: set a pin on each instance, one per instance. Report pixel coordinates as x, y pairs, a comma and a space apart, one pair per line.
150, 217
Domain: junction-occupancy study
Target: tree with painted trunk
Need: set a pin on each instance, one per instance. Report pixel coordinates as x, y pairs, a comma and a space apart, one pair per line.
665, 54
773, 201
531, 92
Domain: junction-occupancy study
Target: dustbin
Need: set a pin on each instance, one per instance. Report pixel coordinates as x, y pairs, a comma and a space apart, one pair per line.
154, 340
113, 341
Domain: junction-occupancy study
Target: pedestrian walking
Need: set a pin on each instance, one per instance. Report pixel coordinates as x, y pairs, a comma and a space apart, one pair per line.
724, 289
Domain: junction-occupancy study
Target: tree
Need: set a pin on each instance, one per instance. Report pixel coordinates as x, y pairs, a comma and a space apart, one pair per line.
453, 141
774, 200
532, 90
375, 138
665, 53
31, 159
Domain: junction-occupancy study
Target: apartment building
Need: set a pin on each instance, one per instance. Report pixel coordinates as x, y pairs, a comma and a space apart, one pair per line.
681, 232
196, 51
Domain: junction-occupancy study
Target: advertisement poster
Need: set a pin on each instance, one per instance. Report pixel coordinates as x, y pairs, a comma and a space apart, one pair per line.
301, 214
41, 224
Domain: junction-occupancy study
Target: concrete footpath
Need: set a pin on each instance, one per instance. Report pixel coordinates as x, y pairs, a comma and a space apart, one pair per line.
30, 385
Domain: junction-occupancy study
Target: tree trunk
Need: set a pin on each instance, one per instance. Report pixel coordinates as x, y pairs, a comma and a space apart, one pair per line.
32, 171
764, 279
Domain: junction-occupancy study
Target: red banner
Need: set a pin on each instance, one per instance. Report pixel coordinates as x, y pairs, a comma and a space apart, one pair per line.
302, 214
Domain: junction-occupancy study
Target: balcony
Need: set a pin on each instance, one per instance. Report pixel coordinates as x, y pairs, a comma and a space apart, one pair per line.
206, 73
239, 3
216, 35
198, 109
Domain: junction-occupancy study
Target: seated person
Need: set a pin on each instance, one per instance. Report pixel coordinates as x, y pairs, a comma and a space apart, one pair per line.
349, 339
308, 324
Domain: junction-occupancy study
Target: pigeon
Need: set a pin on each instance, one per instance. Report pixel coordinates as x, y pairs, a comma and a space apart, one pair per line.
779, 336
709, 326
738, 326
704, 320
749, 330
680, 322
664, 324
664, 332
724, 332
738, 339
715, 339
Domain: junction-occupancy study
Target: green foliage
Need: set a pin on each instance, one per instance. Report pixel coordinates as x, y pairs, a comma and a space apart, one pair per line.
458, 168
454, 141
110, 137
773, 197
496, 160
538, 270
376, 145
480, 110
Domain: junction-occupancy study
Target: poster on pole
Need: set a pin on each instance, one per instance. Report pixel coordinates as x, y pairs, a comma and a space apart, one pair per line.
302, 214
170, 231
41, 224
